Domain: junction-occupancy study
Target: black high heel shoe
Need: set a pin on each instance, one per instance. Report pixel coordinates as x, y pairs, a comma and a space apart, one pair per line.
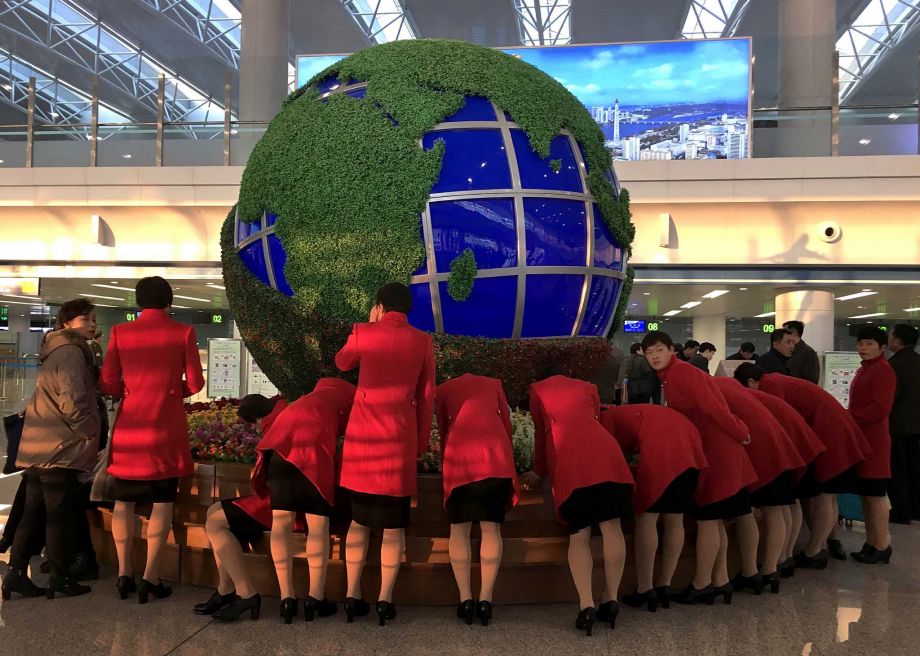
873, 556
864, 549
787, 568
724, 591
385, 611
607, 612
323, 608
466, 611
755, 583
818, 561
146, 588
772, 580
215, 603
691, 595
637, 599
65, 586
663, 592
239, 606
355, 608
125, 585
585, 620
288, 609
835, 549
16, 580
484, 612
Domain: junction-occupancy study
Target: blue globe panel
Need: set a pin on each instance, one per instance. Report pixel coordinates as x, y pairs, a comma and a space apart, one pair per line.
421, 316
537, 173
488, 312
423, 267
473, 159
484, 225
556, 233
475, 108
270, 219
551, 305
357, 93
331, 84
246, 230
253, 256
601, 299
278, 258
607, 253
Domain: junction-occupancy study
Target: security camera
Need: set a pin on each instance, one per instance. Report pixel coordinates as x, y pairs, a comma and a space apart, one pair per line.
829, 231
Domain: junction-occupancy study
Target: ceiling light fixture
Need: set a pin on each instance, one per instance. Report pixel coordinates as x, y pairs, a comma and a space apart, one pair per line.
850, 297
870, 315
211, 284
716, 293
764, 315
108, 298
125, 289
742, 289
181, 307
865, 142
894, 116
671, 313
34, 298
646, 293
192, 298
127, 155
691, 304
913, 309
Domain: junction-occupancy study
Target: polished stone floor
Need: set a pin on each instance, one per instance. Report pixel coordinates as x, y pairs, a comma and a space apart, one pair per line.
848, 609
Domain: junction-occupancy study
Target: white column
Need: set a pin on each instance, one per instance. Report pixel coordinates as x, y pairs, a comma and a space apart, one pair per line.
814, 308
711, 329
263, 58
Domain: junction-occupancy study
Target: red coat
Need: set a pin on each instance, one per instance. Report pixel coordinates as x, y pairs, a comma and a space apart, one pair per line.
668, 444
144, 365
474, 424
871, 398
845, 443
771, 450
806, 441
269, 419
390, 424
694, 394
306, 435
570, 445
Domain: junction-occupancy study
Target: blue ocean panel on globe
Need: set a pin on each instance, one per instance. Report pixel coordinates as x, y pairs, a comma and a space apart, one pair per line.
475, 108
279, 259
485, 225
487, 312
421, 316
538, 173
556, 233
253, 256
246, 230
331, 84
600, 306
473, 159
607, 254
270, 219
551, 304
357, 93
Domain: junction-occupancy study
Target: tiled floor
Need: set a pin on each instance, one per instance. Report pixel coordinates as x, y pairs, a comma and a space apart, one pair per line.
848, 609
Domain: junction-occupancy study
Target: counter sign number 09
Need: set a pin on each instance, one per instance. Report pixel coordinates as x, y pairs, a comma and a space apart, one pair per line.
768, 328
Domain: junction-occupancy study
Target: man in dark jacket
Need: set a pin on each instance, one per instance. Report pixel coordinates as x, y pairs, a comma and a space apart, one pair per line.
688, 351
641, 382
804, 360
781, 347
702, 359
746, 352
609, 376
904, 424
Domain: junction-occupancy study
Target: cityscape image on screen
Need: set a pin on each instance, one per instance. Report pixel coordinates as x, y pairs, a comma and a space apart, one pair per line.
657, 100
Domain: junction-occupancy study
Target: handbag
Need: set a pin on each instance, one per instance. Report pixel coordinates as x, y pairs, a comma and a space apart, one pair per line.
13, 424
103, 490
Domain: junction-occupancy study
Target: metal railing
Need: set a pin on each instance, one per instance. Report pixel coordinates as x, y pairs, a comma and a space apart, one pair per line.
17, 380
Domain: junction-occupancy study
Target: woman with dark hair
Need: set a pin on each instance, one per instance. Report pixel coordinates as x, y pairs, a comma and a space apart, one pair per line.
60, 440
152, 364
871, 399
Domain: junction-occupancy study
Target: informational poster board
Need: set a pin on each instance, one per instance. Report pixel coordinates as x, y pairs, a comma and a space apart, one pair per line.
225, 367
839, 369
256, 381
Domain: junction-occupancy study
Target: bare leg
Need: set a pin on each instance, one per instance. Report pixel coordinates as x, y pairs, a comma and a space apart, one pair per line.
157, 531
875, 510
581, 564
793, 518
218, 530
391, 553
459, 550
282, 526
123, 522
490, 557
823, 520
707, 551
720, 567
672, 545
776, 536
317, 554
835, 513
355, 556
748, 539
646, 542
614, 557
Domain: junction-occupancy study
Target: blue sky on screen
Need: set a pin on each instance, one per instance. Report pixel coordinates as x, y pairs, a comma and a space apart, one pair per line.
649, 73
310, 65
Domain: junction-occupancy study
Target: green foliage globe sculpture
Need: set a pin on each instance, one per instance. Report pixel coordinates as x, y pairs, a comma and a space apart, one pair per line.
467, 174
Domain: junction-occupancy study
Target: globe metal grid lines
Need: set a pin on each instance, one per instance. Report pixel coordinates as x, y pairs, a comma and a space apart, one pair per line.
547, 265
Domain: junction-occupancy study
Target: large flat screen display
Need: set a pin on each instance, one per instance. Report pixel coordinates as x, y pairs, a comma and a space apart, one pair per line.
656, 100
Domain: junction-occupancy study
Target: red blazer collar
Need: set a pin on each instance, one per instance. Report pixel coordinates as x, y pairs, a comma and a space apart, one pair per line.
153, 314
394, 317
873, 361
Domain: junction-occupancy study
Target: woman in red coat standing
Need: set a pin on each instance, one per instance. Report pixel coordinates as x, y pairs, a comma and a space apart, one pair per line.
670, 461
722, 492
591, 484
778, 466
480, 481
389, 427
144, 366
871, 398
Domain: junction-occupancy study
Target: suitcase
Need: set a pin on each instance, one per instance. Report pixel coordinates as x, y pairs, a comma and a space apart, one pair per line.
849, 508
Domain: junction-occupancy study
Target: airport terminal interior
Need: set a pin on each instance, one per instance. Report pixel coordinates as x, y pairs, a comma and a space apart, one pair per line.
764, 167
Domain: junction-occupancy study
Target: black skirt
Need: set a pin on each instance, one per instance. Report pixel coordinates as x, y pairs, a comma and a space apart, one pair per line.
844, 483
871, 487
808, 486
292, 491
677, 497
163, 490
481, 501
244, 528
380, 510
591, 505
778, 492
734, 506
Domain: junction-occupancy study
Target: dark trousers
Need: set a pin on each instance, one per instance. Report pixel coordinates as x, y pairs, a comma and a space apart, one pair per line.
904, 486
57, 492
